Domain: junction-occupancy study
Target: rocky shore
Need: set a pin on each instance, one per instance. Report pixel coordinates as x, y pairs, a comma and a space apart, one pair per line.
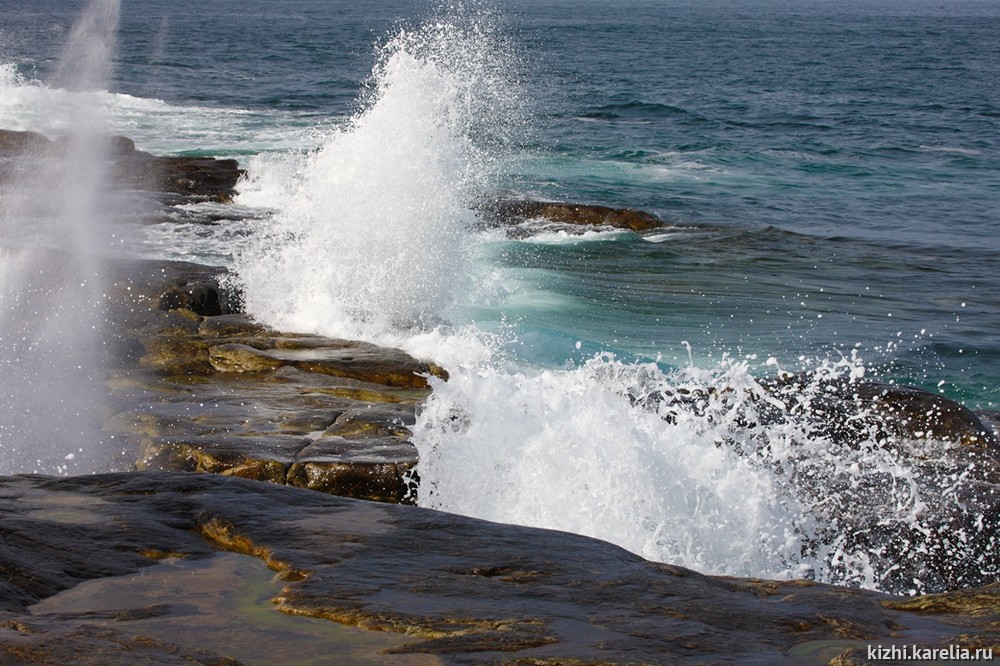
461, 590
129, 167
195, 385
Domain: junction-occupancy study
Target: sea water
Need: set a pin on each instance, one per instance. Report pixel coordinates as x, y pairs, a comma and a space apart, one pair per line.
830, 179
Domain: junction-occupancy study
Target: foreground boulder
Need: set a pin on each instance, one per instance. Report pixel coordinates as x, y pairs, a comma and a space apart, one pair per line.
468, 591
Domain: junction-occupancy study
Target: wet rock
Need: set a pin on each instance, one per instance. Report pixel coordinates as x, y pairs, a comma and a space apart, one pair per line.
263, 458
205, 177
19, 143
511, 211
376, 420
32, 642
345, 467
884, 412
234, 357
201, 299
468, 591
377, 365
218, 393
230, 325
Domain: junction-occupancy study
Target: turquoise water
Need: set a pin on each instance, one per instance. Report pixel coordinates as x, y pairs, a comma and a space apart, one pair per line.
829, 174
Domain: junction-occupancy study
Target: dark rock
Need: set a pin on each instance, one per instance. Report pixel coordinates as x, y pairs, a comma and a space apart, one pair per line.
350, 472
202, 299
469, 591
843, 444
508, 211
20, 143
205, 177
217, 393
887, 412
108, 146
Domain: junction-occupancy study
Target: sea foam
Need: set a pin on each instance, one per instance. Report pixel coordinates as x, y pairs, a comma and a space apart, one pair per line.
371, 233
706, 468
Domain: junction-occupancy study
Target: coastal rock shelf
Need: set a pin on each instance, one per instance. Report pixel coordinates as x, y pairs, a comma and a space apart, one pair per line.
194, 385
464, 590
204, 177
197, 387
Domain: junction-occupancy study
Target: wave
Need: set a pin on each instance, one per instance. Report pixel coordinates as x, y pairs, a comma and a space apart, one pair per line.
685, 466
155, 125
373, 235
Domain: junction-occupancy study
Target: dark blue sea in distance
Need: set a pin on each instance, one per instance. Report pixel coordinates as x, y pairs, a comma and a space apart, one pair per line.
829, 171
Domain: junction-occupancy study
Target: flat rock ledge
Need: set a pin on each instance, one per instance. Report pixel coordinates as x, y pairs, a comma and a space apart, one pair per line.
195, 386
461, 590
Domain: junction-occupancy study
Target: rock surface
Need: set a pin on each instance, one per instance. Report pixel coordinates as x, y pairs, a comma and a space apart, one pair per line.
513, 211
197, 387
17, 143
205, 177
467, 591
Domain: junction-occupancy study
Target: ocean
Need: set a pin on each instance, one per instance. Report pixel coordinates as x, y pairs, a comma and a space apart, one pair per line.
828, 174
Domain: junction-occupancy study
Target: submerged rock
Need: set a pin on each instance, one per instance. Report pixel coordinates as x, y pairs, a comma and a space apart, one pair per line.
468, 591
513, 211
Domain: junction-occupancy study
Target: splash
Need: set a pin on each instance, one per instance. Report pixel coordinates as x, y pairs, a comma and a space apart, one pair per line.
372, 237
710, 469
51, 276
371, 231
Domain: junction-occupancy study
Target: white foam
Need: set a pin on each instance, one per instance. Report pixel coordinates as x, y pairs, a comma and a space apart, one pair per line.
663, 237
371, 234
687, 467
548, 233
155, 125
567, 450
955, 150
